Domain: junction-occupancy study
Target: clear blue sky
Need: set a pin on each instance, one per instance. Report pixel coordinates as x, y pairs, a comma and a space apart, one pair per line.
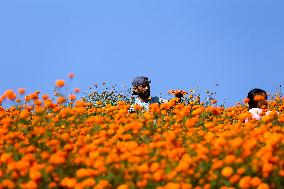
179, 44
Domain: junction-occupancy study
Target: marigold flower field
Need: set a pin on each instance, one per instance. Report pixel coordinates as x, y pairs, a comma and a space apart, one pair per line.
74, 143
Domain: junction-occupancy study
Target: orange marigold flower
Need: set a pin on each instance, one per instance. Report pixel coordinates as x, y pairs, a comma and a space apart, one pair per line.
177, 93
230, 159
5, 157
21, 91
123, 186
10, 94
56, 159
8, 183
59, 83
158, 176
255, 181
24, 114
34, 95
35, 174
241, 170
198, 111
68, 182
99, 103
89, 182
227, 172
142, 183
45, 96
267, 168
71, 75
213, 101
263, 186
30, 185
60, 100
191, 122
103, 184
52, 185
85, 172
72, 97
245, 182
154, 167
23, 165
234, 179
218, 164
186, 186
281, 173
76, 90
137, 107
259, 98
246, 100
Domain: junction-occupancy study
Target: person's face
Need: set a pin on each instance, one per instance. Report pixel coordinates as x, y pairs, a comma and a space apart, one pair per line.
143, 90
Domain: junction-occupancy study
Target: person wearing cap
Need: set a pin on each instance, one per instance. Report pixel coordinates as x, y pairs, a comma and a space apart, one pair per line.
141, 88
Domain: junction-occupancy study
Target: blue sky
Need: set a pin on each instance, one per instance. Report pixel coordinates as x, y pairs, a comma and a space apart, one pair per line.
179, 44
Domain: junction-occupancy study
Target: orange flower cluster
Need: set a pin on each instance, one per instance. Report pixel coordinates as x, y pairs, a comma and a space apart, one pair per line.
178, 93
173, 145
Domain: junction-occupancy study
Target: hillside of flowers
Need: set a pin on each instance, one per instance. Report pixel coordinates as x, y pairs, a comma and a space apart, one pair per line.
95, 142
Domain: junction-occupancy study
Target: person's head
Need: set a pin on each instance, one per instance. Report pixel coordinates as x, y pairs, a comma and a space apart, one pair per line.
141, 86
257, 98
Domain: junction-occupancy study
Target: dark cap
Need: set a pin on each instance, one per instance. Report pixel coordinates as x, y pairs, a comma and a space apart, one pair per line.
140, 80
